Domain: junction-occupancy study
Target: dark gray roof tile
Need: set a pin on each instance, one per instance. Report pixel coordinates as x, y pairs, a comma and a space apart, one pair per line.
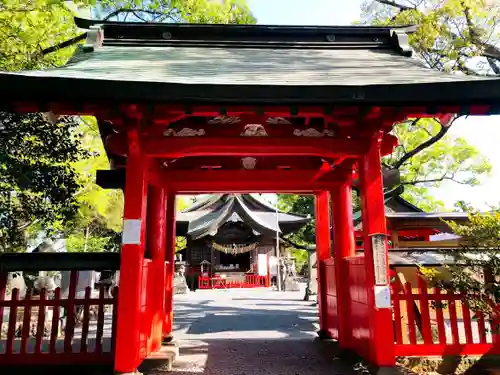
249, 66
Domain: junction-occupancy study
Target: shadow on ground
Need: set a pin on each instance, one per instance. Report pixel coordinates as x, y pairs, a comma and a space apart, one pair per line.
261, 357
256, 332
281, 320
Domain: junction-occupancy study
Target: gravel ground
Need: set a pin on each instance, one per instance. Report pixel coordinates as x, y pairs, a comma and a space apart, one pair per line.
250, 332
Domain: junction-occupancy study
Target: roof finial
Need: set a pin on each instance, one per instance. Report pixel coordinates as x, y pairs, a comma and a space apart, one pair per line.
95, 37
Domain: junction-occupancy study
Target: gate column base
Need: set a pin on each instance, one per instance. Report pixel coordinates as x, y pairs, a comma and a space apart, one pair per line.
323, 335
389, 370
168, 339
160, 361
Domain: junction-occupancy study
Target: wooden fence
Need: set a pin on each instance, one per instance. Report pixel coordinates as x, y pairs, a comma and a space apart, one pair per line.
49, 328
430, 321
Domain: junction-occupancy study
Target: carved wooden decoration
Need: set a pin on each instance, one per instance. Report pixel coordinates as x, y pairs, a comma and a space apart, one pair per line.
278, 120
254, 130
184, 132
225, 120
311, 132
249, 162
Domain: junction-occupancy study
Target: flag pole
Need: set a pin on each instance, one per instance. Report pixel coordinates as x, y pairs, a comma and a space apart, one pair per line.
278, 267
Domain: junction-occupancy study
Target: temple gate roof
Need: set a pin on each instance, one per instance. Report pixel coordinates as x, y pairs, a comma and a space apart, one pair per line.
249, 64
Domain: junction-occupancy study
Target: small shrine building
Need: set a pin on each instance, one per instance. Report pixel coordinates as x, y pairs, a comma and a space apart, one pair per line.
234, 233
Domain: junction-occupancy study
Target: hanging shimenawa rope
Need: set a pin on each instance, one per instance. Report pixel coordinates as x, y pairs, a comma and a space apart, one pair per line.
234, 248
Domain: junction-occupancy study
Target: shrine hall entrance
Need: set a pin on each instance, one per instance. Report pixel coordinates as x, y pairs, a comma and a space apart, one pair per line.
231, 240
230, 260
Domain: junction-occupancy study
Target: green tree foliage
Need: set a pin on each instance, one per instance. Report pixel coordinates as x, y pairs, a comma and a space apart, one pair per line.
28, 28
427, 155
32, 30
37, 182
181, 204
453, 35
456, 36
476, 268
193, 11
301, 205
99, 220
34, 34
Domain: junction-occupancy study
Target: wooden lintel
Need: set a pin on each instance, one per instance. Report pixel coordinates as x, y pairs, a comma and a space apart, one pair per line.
194, 182
177, 147
243, 181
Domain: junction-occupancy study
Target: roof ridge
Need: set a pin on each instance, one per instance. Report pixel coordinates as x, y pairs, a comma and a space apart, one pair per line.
130, 34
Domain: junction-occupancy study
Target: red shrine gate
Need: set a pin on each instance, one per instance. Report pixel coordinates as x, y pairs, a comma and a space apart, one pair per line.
181, 106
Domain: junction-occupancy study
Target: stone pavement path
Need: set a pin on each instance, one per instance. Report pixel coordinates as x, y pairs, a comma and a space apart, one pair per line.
250, 332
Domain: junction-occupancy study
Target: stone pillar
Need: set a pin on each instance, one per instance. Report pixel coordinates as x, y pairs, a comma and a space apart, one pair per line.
180, 284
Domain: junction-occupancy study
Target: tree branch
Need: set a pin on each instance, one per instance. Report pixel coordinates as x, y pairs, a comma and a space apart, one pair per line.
442, 132
394, 4
490, 51
441, 179
64, 44
28, 224
297, 246
135, 11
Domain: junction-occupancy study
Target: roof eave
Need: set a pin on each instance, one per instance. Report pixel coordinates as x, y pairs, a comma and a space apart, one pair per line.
46, 89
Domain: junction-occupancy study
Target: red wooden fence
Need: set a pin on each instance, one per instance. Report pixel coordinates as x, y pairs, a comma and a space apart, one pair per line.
429, 321
358, 306
332, 303
250, 281
35, 330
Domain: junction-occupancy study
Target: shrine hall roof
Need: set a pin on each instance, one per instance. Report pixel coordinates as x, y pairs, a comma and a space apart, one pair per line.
248, 63
207, 216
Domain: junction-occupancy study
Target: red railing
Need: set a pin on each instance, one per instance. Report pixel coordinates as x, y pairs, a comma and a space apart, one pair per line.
217, 282
332, 302
430, 321
50, 329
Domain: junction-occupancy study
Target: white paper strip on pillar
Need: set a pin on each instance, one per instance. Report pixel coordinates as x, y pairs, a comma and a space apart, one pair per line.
262, 264
380, 258
131, 232
382, 296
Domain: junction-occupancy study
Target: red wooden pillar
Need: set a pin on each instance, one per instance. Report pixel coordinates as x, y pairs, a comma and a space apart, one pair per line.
376, 258
131, 291
168, 314
156, 238
343, 247
323, 242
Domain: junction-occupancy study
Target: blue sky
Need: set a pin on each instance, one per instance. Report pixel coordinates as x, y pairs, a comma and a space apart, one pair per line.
482, 132
312, 12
